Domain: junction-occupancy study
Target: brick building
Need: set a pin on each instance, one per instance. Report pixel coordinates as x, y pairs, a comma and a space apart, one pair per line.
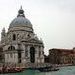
62, 56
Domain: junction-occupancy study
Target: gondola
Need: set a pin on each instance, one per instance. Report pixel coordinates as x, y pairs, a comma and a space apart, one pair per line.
48, 69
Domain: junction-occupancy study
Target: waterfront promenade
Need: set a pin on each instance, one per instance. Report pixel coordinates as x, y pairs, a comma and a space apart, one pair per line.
32, 65
35, 72
26, 65
69, 70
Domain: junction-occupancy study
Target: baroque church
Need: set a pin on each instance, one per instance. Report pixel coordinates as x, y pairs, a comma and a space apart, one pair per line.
20, 44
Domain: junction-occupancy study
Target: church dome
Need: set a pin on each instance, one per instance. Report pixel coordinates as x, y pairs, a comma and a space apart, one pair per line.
20, 20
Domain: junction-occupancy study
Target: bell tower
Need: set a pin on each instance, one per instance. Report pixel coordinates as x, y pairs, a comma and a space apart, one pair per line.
3, 35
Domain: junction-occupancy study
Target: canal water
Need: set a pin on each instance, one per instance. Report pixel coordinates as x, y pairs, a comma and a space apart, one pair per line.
70, 70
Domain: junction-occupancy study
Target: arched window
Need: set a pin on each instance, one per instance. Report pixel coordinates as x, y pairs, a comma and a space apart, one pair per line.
32, 54
11, 48
14, 37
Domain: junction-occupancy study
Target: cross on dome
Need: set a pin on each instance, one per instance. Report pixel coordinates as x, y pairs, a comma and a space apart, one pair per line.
21, 7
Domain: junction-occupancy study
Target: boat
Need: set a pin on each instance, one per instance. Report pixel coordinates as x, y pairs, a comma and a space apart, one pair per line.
46, 69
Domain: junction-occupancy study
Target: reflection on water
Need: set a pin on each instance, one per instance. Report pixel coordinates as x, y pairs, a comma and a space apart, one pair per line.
63, 71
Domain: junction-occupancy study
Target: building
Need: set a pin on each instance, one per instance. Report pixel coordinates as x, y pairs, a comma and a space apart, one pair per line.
46, 58
1, 55
61, 56
20, 44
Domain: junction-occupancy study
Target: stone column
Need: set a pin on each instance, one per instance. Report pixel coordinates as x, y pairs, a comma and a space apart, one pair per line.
23, 54
28, 48
37, 55
42, 54
16, 57
27, 53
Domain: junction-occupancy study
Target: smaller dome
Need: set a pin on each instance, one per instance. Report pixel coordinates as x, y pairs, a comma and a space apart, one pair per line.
21, 20
21, 12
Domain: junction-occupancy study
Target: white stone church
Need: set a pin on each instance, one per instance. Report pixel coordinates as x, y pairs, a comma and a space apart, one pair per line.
20, 44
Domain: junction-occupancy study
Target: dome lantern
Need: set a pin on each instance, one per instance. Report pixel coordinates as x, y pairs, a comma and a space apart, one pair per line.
21, 13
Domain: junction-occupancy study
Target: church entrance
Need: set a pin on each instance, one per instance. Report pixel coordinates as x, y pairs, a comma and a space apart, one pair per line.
32, 54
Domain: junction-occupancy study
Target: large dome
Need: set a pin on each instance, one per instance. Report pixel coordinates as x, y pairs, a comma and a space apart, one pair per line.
21, 20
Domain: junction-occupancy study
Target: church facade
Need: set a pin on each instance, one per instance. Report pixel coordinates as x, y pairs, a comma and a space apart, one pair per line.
20, 44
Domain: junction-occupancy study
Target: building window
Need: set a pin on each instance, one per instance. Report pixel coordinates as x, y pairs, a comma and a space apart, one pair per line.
11, 48
26, 51
14, 37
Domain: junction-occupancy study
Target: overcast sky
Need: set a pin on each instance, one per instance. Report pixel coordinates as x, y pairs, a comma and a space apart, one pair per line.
53, 20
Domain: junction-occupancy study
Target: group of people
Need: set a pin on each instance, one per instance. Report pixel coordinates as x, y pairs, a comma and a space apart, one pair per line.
5, 68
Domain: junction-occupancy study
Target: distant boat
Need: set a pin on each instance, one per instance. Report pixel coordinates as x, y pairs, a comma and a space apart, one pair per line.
47, 69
